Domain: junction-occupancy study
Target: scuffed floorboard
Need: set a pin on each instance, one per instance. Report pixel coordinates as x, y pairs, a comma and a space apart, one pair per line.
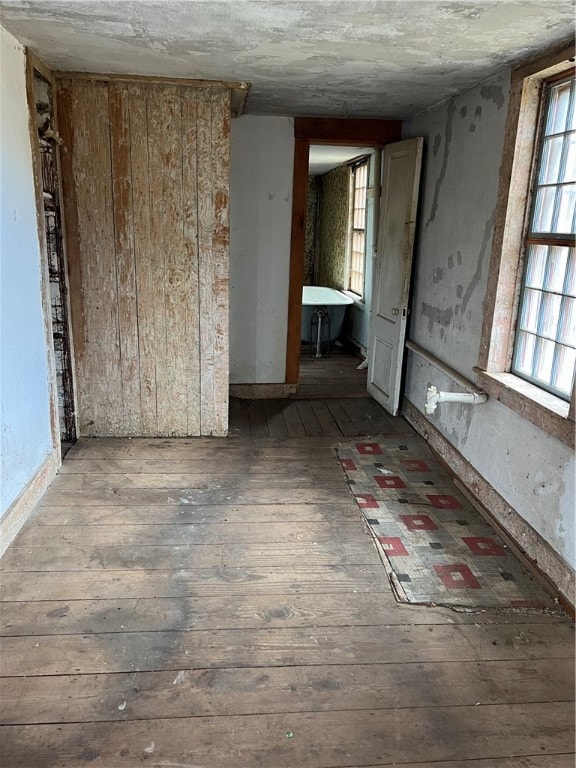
217, 603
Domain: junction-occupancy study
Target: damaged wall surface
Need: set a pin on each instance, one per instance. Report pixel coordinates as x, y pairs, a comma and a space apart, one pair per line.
145, 171
333, 215
532, 471
25, 418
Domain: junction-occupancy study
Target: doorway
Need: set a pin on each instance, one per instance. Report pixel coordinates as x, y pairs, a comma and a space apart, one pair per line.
339, 238
366, 137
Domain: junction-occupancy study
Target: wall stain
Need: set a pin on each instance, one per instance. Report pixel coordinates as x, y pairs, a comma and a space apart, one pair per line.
439, 181
442, 317
478, 111
478, 273
437, 274
493, 93
472, 128
463, 111
436, 145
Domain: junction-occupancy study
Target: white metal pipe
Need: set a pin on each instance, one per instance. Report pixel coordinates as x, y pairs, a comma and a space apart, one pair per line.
434, 397
319, 337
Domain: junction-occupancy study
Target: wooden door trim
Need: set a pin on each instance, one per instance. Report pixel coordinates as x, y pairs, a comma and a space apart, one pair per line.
318, 130
33, 65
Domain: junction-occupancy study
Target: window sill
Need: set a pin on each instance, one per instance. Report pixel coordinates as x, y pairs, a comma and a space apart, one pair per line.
358, 300
549, 413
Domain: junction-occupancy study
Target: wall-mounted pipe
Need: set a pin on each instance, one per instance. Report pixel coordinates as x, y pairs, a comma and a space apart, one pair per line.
442, 366
434, 397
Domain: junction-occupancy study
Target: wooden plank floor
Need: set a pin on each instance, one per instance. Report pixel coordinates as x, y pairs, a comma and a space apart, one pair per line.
316, 417
217, 603
335, 375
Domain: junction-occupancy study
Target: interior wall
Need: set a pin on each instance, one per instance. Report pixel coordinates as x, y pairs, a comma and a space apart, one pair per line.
262, 166
333, 217
533, 472
145, 172
311, 233
24, 377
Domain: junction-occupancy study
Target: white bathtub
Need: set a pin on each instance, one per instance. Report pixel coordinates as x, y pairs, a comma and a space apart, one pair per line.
332, 301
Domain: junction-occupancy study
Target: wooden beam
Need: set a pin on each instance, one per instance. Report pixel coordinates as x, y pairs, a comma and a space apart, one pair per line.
238, 88
329, 130
296, 275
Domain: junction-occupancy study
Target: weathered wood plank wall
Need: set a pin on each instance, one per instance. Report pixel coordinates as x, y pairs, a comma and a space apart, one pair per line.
146, 188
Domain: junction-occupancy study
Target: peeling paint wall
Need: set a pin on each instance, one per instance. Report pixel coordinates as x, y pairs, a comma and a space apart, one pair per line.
25, 417
333, 227
262, 160
310, 237
464, 141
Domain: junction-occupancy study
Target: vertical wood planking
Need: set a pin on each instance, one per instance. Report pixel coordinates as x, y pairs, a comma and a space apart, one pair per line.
143, 255
191, 277
99, 388
213, 129
147, 172
123, 212
205, 262
220, 156
165, 158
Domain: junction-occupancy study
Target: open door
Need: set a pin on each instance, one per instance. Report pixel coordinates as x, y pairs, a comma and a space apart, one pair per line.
392, 269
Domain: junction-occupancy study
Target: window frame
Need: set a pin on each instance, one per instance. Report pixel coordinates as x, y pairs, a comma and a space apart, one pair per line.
512, 219
363, 161
534, 237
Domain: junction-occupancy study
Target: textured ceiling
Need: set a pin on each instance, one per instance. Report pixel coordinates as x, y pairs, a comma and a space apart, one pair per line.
324, 158
378, 58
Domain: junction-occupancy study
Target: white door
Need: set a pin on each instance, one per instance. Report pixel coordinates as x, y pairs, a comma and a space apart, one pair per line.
392, 269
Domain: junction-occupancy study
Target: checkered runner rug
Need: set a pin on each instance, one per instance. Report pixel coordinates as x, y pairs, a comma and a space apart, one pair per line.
439, 548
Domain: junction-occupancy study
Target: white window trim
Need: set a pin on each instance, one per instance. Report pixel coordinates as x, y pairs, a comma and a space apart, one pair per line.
357, 297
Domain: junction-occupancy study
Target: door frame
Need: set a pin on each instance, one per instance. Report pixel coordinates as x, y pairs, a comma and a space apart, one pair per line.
372, 133
36, 67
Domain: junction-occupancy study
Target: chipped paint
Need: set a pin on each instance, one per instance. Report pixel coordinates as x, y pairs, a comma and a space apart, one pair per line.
531, 470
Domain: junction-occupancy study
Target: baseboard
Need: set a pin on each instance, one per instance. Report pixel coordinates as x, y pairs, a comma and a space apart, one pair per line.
262, 391
553, 569
25, 503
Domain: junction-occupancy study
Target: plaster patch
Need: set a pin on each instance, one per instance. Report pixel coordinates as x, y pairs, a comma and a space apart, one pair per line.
435, 315
437, 274
493, 93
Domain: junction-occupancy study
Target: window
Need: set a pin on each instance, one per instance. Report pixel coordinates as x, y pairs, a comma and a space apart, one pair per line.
528, 344
545, 340
358, 227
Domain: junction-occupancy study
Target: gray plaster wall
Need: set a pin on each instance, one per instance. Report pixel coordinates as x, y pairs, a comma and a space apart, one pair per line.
262, 163
464, 141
